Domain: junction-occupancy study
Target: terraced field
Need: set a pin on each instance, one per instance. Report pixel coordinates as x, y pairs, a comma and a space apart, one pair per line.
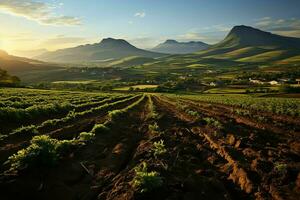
68, 145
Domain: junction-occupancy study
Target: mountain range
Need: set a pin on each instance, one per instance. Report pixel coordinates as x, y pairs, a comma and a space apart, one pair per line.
107, 49
174, 47
244, 47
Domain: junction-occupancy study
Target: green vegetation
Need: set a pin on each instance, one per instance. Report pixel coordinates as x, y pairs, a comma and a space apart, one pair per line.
118, 114
145, 181
8, 80
99, 128
280, 167
43, 151
159, 148
287, 106
213, 122
84, 136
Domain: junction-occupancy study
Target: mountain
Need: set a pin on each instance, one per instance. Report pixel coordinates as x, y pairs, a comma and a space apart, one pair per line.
19, 65
174, 47
30, 53
248, 44
107, 49
243, 36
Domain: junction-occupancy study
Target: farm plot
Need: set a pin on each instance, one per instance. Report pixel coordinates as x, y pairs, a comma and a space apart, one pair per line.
154, 147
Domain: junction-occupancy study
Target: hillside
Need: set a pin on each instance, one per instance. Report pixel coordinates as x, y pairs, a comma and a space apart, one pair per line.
20, 66
174, 47
247, 44
7, 79
130, 61
108, 48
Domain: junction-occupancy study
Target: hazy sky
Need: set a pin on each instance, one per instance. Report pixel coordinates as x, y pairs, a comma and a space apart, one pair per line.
54, 24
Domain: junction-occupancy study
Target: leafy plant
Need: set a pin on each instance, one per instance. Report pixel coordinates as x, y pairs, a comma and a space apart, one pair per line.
153, 127
99, 128
280, 167
158, 148
212, 122
43, 151
192, 113
86, 136
145, 181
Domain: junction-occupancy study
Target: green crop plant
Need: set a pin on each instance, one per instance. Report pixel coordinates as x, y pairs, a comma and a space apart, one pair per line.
213, 122
43, 151
159, 148
145, 181
86, 136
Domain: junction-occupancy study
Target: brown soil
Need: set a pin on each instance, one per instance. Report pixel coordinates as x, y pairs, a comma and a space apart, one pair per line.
242, 159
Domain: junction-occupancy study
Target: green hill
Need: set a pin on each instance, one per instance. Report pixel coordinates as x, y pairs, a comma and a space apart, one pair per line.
247, 44
131, 61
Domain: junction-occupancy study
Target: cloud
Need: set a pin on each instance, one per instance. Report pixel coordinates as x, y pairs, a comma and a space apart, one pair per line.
37, 11
140, 14
287, 27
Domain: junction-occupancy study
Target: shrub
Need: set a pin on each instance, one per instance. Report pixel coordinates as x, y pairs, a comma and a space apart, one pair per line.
99, 128
43, 151
86, 136
146, 181
115, 114
159, 148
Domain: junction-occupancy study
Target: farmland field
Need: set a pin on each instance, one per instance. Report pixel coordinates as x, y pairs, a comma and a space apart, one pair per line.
76, 145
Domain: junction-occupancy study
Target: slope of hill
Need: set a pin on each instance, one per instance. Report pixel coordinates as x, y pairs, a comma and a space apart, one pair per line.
130, 61
18, 65
30, 53
108, 48
247, 44
7, 79
174, 47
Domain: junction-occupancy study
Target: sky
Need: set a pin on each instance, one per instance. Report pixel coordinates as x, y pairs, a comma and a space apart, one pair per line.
54, 24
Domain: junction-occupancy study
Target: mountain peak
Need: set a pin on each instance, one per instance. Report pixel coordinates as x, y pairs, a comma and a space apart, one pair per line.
242, 29
247, 36
106, 41
169, 41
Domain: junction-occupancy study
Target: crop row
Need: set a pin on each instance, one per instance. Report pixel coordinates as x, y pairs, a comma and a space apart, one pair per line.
275, 105
45, 151
71, 117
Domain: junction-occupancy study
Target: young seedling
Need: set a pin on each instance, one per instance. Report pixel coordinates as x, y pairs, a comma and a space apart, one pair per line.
145, 181
159, 148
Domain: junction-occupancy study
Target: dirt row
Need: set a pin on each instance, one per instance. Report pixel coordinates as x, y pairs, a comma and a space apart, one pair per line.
255, 155
66, 131
88, 170
202, 161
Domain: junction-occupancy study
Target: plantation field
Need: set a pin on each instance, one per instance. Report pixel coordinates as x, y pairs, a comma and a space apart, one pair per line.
74, 145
